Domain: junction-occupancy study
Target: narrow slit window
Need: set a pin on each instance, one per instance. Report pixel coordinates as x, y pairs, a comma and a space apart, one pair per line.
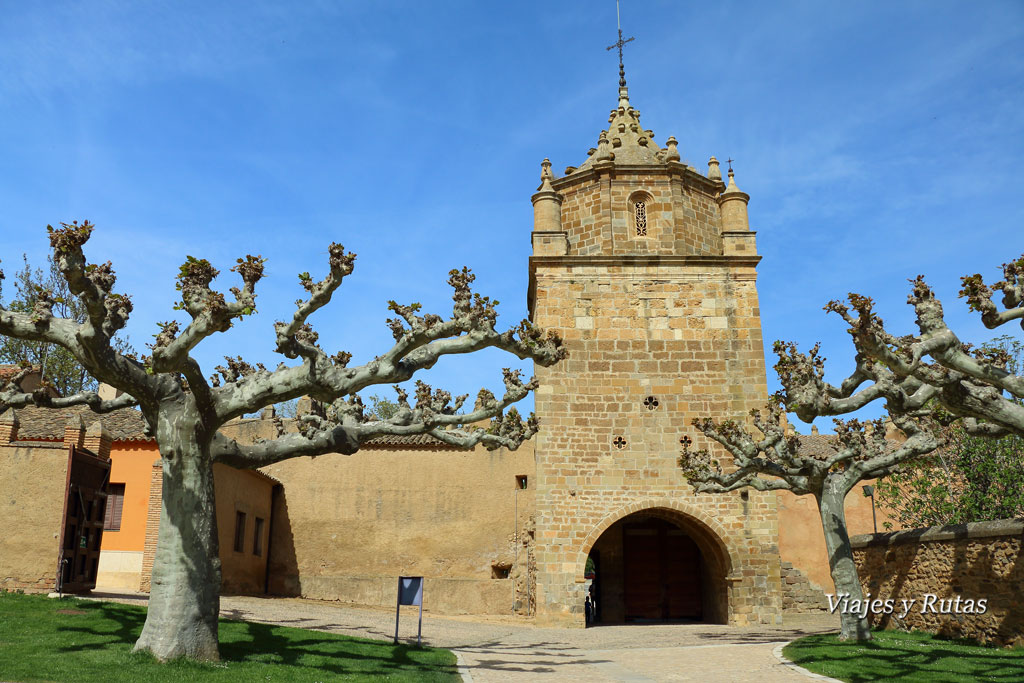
257, 541
640, 216
239, 532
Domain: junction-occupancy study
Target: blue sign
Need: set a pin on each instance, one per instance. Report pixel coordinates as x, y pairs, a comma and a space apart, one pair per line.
410, 590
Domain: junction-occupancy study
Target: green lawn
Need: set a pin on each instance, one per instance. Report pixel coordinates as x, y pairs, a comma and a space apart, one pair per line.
901, 656
81, 640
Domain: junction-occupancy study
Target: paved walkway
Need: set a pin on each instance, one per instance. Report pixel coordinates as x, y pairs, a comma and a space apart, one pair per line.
504, 649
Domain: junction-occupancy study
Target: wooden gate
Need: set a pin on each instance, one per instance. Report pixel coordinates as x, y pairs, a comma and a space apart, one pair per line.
85, 503
662, 572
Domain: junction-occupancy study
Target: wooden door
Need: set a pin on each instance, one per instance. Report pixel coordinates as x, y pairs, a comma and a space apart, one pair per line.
84, 506
661, 572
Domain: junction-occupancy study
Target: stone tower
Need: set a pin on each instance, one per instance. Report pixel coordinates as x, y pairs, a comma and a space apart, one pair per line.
646, 267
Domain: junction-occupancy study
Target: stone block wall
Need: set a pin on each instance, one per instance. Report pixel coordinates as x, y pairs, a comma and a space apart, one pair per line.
983, 560
682, 213
345, 527
799, 595
653, 342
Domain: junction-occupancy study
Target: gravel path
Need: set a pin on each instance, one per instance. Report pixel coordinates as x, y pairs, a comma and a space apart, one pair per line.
504, 649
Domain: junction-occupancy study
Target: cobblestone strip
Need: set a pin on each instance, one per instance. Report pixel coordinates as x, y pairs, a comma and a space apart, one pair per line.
799, 669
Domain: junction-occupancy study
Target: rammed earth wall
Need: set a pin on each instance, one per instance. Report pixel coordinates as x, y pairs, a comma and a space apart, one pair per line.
979, 561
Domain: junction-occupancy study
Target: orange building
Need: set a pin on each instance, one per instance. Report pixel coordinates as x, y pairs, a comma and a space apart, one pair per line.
34, 466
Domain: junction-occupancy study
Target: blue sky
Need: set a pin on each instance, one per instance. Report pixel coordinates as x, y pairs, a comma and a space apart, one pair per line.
877, 141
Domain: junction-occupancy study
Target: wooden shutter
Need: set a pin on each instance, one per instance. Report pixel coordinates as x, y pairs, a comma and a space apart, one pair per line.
115, 505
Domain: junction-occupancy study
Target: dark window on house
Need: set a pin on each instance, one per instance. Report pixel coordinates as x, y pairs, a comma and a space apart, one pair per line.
521, 481
239, 532
257, 541
115, 503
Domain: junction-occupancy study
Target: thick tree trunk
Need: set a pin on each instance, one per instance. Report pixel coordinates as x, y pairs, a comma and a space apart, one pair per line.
184, 598
840, 561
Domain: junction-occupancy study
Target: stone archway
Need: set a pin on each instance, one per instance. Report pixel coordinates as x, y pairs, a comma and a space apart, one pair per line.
658, 562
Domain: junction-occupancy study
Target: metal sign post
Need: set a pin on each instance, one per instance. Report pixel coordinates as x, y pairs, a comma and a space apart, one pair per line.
410, 592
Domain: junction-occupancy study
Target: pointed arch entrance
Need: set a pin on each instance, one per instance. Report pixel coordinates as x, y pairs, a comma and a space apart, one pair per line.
657, 564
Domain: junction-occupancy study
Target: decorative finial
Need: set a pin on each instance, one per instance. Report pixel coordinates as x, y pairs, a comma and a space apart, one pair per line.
673, 149
546, 176
619, 43
713, 171
731, 187
603, 147
545, 169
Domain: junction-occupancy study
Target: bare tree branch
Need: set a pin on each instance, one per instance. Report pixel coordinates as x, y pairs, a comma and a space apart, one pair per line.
107, 312
185, 410
419, 342
346, 425
925, 380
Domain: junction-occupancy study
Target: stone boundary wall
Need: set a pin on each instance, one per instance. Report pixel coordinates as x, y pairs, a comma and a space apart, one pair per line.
799, 594
978, 561
440, 595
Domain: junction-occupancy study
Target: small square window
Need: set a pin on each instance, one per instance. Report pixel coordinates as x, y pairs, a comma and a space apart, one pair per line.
522, 482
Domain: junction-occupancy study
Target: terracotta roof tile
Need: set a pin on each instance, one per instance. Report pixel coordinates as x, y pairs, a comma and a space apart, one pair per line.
9, 370
409, 441
825, 444
128, 424
817, 444
35, 423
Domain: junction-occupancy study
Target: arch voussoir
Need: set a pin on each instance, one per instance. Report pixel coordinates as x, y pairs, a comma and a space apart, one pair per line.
692, 515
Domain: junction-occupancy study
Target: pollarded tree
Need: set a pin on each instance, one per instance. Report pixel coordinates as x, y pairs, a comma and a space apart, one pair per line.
184, 410
926, 381
773, 461
57, 366
970, 479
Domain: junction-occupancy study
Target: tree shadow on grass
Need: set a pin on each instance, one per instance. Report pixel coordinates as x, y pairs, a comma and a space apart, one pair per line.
906, 657
255, 642
121, 624
118, 626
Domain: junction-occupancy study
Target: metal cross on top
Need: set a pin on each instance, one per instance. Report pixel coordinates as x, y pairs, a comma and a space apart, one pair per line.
619, 44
